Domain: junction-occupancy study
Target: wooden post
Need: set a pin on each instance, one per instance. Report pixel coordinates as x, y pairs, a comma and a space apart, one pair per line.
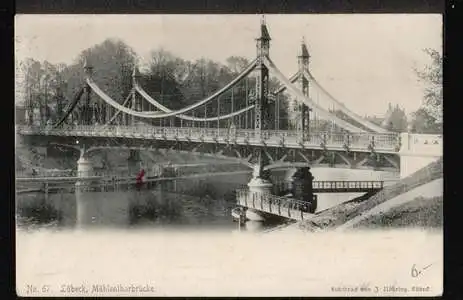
46, 190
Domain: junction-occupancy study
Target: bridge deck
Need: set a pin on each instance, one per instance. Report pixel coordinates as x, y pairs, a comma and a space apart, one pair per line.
280, 206
296, 209
384, 142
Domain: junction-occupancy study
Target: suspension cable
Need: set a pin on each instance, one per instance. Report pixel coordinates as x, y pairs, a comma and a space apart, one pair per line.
301, 97
205, 115
343, 108
152, 115
278, 111
72, 106
232, 106
247, 103
275, 114
218, 112
119, 111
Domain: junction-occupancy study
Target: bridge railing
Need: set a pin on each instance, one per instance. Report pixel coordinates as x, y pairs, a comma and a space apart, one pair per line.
282, 206
282, 186
347, 185
383, 141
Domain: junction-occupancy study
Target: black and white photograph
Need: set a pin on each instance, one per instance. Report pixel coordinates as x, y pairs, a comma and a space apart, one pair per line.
229, 155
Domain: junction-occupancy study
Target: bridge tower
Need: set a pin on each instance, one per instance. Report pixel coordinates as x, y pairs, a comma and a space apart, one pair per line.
303, 123
260, 182
261, 102
88, 113
261, 120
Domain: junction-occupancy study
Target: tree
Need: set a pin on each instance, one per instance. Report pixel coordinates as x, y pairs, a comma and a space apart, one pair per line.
431, 75
237, 64
423, 122
40, 86
162, 81
398, 119
113, 63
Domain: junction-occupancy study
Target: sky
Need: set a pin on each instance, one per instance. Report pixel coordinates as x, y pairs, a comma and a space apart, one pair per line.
365, 61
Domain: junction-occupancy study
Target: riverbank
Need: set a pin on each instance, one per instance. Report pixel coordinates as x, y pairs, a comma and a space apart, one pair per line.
56, 158
421, 212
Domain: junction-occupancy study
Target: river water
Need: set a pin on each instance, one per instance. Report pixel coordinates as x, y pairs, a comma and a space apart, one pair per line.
205, 202
153, 243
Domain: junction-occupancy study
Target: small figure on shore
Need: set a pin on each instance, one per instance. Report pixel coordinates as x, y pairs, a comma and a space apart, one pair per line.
140, 178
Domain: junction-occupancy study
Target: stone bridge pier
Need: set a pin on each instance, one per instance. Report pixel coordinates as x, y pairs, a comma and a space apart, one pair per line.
84, 167
259, 183
301, 187
417, 151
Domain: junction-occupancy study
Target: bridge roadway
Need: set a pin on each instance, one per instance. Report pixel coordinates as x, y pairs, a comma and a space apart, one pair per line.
272, 204
383, 142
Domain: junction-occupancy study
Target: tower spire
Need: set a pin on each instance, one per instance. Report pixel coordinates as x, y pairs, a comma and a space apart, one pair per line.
263, 41
303, 57
264, 35
304, 53
303, 125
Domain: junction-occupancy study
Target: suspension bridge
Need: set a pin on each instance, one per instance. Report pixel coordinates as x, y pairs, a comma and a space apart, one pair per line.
246, 126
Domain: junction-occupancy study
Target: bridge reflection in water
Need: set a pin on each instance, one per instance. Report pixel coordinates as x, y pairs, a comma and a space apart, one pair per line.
162, 208
122, 209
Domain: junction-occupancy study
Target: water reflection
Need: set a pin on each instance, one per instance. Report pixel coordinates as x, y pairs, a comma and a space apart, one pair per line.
38, 211
196, 203
185, 203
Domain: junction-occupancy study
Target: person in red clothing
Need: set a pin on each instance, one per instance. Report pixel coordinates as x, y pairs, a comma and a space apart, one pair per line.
140, 178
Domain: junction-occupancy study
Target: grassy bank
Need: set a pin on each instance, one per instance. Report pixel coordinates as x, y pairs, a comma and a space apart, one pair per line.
420, 212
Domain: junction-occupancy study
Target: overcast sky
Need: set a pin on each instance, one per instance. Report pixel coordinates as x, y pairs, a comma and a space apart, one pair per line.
366, 61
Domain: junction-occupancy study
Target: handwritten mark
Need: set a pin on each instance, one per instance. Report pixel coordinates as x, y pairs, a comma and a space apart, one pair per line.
415, 272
